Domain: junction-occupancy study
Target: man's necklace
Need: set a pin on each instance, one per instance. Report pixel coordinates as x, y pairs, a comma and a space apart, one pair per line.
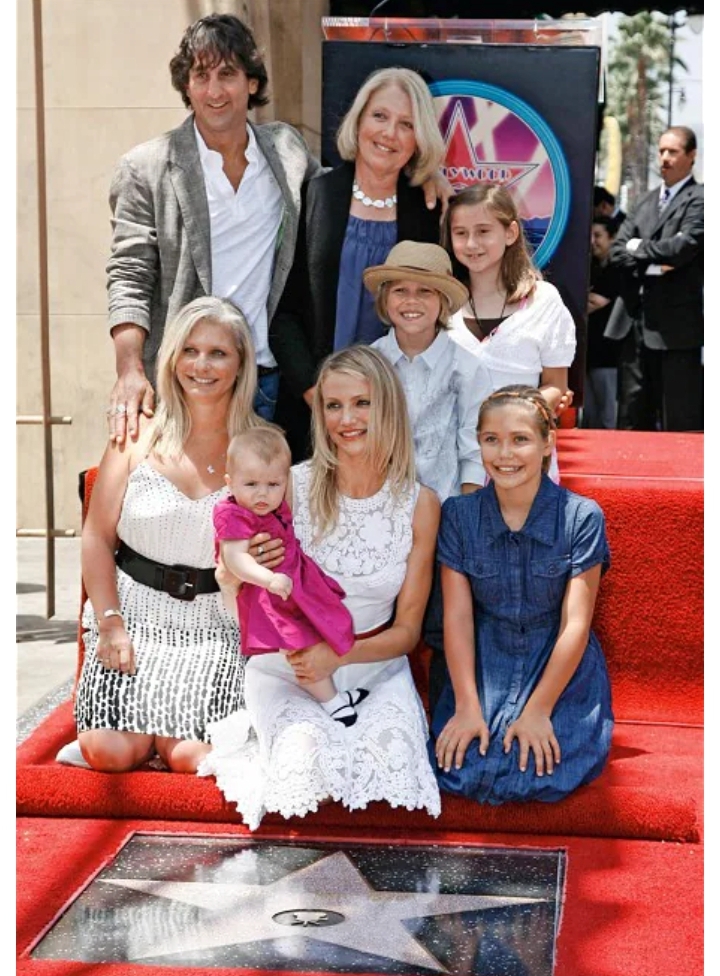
369, 202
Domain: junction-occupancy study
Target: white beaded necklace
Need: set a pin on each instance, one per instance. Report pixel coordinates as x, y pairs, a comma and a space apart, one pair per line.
369, 202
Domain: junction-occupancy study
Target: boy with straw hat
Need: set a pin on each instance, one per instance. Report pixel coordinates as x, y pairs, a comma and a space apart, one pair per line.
415, 295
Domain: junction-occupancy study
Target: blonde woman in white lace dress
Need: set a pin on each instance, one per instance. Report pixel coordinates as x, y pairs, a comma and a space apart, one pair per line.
361, 515
161, 651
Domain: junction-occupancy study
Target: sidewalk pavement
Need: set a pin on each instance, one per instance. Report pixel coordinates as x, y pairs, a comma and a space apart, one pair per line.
46, 650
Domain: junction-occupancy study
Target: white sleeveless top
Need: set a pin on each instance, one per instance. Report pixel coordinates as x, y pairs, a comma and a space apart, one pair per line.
366, 552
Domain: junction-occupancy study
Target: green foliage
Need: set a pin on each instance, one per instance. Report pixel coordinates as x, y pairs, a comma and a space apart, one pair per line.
637, 89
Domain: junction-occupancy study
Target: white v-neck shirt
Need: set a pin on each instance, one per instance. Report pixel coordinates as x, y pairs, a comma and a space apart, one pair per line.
244, 228
542, 334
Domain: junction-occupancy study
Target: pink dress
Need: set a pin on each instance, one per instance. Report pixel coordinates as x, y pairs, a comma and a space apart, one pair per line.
314, 611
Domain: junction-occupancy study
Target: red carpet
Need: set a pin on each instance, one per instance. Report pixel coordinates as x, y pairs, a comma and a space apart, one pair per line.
630, 799
633, 905
650, 610
631, 454
631, 908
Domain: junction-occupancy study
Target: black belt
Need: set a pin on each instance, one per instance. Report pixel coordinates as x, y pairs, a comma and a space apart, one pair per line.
267, 370
182, 582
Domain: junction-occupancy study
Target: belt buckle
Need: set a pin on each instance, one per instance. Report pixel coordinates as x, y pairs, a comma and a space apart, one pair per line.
180, 582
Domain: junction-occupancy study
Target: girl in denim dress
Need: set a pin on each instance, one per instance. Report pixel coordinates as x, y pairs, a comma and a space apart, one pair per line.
526, 711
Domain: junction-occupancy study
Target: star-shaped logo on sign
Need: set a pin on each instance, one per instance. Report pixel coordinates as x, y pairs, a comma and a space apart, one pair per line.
464, 168
329, 901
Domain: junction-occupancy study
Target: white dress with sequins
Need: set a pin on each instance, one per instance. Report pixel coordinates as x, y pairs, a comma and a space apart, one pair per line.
283, 753
189, 667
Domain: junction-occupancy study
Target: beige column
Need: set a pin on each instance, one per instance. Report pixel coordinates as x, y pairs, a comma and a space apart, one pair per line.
290, 33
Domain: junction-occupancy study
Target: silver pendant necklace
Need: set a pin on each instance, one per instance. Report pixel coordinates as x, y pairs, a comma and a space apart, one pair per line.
369, 202
211, 468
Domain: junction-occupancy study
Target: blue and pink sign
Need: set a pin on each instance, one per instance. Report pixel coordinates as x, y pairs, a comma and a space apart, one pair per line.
492, 136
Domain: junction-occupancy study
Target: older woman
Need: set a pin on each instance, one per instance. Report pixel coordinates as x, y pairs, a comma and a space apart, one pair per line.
161, 652
362, 516
353, 215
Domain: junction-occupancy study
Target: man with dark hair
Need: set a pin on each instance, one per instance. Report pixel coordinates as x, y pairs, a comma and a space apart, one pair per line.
659, 319
603, 202
211, 207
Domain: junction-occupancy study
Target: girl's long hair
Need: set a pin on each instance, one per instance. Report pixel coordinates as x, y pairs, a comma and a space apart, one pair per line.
519, 274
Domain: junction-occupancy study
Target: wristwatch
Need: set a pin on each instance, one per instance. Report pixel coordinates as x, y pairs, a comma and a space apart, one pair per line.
112, 613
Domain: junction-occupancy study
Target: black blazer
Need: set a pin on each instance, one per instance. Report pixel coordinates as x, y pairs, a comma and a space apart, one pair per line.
303, 328
670, 305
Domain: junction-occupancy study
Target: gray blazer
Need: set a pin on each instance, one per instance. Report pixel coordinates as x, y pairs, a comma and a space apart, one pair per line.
160, 257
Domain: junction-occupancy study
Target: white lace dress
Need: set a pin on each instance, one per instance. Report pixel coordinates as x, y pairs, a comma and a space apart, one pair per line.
283, 753
189, 668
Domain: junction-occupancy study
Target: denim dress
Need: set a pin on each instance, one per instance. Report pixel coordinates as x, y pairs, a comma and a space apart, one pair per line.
518, 582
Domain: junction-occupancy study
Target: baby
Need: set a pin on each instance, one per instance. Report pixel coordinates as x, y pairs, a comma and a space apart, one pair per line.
291, 608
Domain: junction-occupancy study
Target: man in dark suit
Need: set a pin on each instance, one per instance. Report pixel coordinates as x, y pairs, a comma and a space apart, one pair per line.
659, 319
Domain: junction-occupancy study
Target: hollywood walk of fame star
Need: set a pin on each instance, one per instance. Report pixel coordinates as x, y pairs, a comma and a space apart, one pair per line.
466, 168
243, 913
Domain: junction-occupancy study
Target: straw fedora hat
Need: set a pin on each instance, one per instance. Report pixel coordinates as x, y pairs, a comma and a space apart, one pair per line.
414, 261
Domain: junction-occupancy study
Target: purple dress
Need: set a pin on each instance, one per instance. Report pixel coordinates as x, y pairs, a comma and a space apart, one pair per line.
313, 612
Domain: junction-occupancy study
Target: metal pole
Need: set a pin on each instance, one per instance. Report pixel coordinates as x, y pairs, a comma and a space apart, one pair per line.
673, 28
44, 309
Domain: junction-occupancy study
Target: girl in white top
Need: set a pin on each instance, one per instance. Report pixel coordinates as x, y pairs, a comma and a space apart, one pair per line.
513, 320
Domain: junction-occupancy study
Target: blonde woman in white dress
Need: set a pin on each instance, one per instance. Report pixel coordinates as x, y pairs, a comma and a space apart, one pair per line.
361, 515
161, 651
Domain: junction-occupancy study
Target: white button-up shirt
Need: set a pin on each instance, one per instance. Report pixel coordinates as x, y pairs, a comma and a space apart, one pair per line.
244, 227
444, 387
